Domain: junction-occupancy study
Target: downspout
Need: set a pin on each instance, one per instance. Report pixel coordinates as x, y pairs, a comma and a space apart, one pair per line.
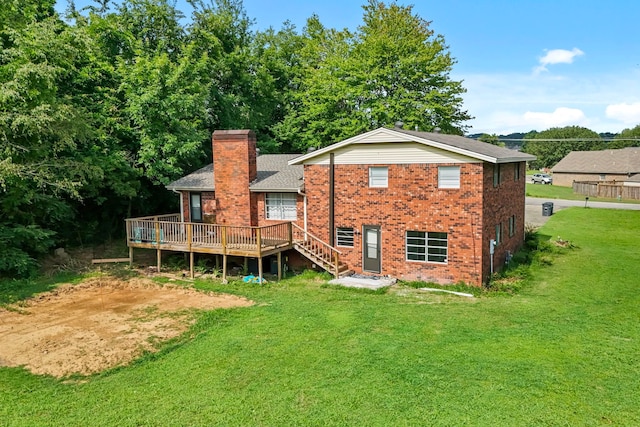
304, 210
331, 198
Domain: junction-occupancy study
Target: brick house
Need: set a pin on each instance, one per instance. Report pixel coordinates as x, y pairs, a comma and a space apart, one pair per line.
413, 205
604, 165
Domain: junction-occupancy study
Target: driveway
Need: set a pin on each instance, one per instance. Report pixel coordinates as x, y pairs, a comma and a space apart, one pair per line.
533, 207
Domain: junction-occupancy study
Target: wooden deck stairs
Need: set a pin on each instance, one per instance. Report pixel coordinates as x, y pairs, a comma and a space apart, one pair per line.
320, 253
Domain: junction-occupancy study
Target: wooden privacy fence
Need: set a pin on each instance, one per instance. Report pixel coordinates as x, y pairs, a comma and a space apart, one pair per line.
606, 189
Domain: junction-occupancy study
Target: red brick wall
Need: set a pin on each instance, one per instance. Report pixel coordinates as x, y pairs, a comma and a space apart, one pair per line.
411, 202
234, 160
500, 203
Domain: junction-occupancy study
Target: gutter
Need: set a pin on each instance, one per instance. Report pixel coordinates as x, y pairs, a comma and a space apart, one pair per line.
304, 208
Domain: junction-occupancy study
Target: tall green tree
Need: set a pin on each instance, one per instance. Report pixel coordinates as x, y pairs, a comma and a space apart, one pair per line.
629, 137
40, 132
277, 54
394, 67
551, 145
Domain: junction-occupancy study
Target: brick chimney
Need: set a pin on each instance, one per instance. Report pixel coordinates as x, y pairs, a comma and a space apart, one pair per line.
234, 168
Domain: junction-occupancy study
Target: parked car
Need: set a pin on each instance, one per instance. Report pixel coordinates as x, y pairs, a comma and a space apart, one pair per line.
542, 178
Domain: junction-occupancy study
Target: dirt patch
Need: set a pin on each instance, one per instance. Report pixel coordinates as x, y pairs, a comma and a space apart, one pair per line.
99, 324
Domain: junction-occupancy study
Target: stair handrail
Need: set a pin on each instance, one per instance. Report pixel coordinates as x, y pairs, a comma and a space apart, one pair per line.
319, 240
332, 257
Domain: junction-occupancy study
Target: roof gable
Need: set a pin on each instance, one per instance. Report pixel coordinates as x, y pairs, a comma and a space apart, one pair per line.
458, 145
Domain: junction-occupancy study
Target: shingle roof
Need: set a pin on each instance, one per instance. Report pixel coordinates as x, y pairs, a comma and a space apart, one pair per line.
501, 154
453, 143
274, 174
200, 180
620, 161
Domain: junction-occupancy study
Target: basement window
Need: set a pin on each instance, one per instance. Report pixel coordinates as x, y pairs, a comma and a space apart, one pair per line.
344, 236
281, 206
427, 246
379, 176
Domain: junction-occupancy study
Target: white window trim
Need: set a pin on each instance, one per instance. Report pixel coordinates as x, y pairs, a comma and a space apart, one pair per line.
378, 176
427, 238
275, 207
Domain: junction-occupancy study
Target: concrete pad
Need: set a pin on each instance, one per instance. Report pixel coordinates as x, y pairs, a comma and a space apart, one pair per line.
366, 282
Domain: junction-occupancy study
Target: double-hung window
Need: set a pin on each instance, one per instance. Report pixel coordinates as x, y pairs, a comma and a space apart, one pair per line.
379, 176
195, 207
281, 206
427, 246
512, 225
449, 177
497, 175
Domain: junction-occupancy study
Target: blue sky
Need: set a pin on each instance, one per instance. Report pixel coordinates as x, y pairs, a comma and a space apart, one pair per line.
525, 64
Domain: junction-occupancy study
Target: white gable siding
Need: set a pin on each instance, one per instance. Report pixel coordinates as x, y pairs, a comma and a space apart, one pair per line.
390, 153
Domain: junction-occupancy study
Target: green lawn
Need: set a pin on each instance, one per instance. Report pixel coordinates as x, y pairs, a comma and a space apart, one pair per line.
558, 192
564, 351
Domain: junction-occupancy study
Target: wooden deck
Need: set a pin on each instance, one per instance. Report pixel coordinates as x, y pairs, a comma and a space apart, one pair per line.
167, 232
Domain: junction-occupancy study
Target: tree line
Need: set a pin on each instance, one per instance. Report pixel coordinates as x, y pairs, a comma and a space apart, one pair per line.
102, 107
552, 145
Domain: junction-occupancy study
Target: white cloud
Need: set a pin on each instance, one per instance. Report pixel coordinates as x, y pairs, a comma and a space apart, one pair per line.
561, 116
626, 113
519, 102
558, 56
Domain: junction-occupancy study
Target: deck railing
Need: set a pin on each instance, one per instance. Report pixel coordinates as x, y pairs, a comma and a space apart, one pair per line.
191, 236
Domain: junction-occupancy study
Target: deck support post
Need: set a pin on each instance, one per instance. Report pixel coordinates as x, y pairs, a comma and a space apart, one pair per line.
191, 264
260, 269
224, 268
279, 256
159, 259
130, 256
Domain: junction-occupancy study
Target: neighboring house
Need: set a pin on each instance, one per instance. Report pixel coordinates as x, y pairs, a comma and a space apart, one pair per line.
633, 181
604, 165
413, 205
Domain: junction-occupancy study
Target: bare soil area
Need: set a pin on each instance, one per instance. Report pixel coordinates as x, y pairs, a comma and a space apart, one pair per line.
99, 324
